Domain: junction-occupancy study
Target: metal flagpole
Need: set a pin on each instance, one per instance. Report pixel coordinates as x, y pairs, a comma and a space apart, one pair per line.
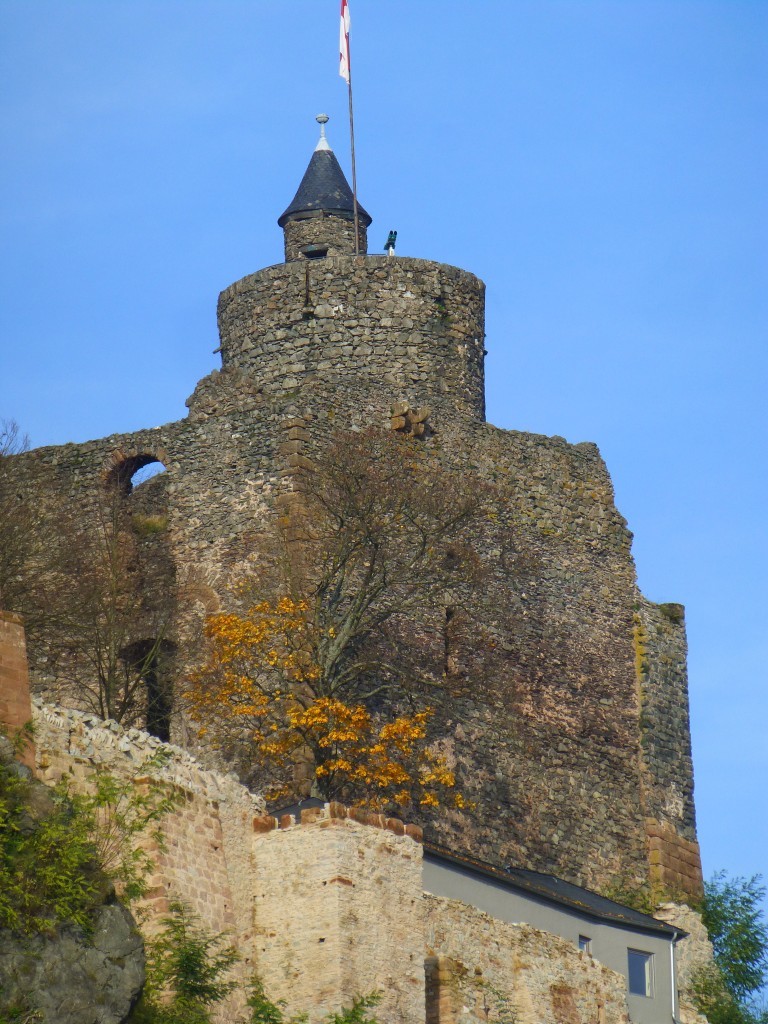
345, 70
354, 172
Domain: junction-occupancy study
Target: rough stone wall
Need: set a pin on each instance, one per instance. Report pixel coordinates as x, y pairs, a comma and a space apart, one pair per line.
481, 969
335, 234
692, 954
553, 756
15, 705
578, 765
666, 747
361, 332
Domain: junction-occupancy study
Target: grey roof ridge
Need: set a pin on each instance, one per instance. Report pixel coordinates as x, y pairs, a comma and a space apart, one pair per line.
547, 887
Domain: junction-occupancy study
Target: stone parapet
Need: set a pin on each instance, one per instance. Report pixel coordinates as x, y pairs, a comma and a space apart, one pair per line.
334, 811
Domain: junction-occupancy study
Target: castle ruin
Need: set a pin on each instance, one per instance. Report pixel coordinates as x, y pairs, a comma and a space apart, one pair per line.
580, 764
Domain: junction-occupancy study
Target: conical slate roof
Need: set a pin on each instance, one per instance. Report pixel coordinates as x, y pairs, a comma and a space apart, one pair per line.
324, 189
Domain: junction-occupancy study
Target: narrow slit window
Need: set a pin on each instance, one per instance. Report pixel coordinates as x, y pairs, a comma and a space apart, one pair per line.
585, 944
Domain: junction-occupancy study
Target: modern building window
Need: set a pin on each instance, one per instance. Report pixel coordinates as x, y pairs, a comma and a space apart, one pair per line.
585, 944
640, 972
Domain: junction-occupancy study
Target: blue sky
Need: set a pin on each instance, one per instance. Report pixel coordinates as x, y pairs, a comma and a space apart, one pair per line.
601, 164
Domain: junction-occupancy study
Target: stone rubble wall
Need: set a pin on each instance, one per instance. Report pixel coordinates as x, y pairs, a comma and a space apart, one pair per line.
374, 329
675, 860
339, 913
692, 954
334, 234
207, 861
481, 969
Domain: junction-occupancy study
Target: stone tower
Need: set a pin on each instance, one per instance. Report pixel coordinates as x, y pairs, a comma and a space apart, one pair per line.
580, 765
340, 328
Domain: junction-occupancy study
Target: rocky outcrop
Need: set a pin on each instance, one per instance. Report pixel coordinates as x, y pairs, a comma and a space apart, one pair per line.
71, 979
66, 976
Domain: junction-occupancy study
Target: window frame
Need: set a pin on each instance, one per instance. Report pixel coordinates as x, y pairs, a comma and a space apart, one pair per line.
648, 972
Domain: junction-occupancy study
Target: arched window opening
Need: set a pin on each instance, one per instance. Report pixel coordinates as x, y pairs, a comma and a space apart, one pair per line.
151, 662
146, 472
135, 470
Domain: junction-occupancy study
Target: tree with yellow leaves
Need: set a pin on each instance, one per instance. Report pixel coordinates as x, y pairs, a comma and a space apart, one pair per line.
347, 622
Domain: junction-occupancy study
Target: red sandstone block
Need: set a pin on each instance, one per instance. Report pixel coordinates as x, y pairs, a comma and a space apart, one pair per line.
264, 823
310, 814
286, 820
396, 826
416, 832
337, 810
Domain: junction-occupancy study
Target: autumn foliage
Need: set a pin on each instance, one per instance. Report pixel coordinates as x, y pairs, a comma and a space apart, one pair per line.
260, 676
355, 608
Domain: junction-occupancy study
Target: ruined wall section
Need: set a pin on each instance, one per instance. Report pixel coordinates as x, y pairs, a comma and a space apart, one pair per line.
352, 335
481, 969
551, 752
550, 749
191, 524
665, 736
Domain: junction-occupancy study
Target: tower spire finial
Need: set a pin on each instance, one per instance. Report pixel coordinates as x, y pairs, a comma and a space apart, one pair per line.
322, 120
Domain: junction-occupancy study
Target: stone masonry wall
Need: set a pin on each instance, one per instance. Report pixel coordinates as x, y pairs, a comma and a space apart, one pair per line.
674, 855
207, 862
360, 328
480, 969
552, 756
335, 234
692, 954
338, 910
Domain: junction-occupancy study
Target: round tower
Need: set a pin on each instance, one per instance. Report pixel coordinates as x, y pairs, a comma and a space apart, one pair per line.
363, 334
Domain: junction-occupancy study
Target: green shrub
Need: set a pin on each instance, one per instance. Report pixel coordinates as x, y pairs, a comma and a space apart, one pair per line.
726, 990
48, 869
186, 971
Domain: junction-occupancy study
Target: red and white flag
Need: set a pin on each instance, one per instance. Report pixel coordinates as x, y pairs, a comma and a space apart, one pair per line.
344, 42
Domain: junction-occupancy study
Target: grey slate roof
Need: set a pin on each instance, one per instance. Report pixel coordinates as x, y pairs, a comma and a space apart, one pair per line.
551, 889
324, 189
